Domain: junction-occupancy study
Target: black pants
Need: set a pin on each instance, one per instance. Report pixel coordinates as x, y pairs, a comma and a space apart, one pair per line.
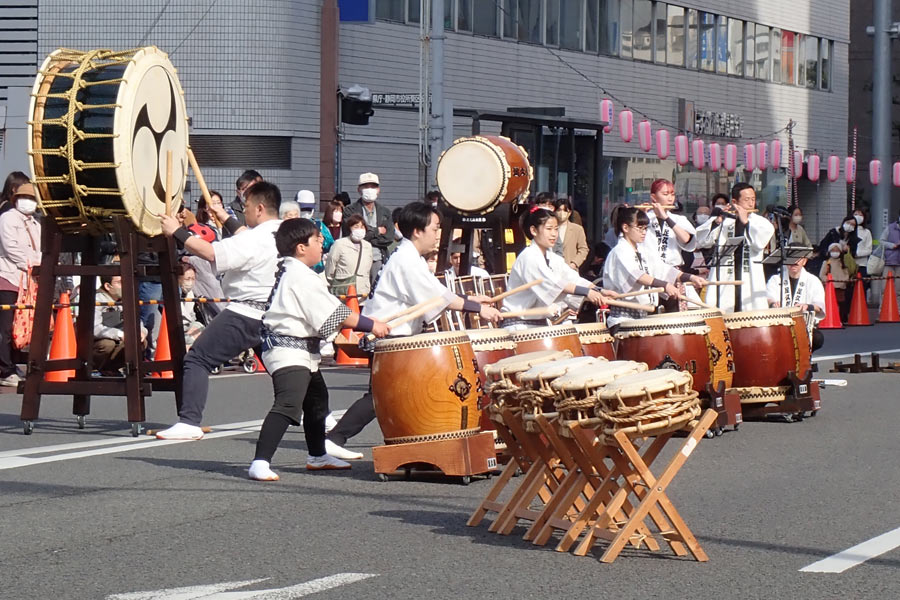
225, 337
7, 364
818, 339
360, 414
296, 391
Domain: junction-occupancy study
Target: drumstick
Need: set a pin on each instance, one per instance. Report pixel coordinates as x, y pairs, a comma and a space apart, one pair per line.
168, 183
203, 189
543, 311
515, 290
697, 302
430, 305
648, 308
415, 307
637, 293
715, 283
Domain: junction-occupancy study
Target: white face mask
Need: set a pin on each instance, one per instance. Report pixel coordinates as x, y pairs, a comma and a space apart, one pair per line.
357, 234
370, 194
859, 219
307, 214
834, 254
337, 215
702, 218
797, 219
26, 206
187, 285
848, 227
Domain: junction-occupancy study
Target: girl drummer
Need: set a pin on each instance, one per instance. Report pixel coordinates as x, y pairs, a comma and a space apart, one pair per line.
631, 266
538, 261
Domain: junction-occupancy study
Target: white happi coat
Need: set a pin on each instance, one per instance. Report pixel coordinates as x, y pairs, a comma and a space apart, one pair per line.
661, 238
757, 234
809, 290
623, 266
532, 264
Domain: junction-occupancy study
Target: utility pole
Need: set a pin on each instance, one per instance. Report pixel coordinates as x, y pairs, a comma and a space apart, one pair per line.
436, 128
883, 31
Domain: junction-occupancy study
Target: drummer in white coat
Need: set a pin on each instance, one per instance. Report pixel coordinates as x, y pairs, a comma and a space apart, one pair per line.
797, 287
561, 287
744, 265
668, 233
632, 266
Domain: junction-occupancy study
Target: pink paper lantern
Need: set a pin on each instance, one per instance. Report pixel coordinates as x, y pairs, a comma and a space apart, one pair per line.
698, 155
897, 174
730, 158
798, 165
762, 155
850, 169
645, 136
775, 157
749, 157
875, 171
606, 114
662, 144
833, 170
813, 167
681, 150
626, 125
715, 156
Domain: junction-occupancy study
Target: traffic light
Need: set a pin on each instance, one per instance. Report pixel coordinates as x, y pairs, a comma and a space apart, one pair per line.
356, 105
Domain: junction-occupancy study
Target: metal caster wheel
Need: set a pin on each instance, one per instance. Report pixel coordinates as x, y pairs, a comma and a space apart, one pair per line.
710, 434
813, 413
79, 419
736, 427
251, 365
382, 477
27, 427
407, 473
465, 479
216, 370
136, 429
719, 431
799, 416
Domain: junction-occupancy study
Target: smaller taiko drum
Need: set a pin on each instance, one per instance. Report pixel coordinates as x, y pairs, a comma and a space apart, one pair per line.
576, 391
651, 403
552, 337
478, 173
502, 378
537, 396
596, 340
490, 346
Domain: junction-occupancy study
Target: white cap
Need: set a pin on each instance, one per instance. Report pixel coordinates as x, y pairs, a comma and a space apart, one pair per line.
369, 178
306, 199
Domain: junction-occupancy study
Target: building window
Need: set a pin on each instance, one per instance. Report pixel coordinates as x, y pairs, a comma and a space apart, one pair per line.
812, 61
827, 49
659, 33
390, 10
642, 40
675, 27
626, 9
449, 15
775, 54
522, 20
609, 27
763, 44
551, 36
707, 42
750, 51
691, 53
464, 15
735, 47
413, 11
788, 42
592, 27
800, 56
484, 18
722, 45
570, 24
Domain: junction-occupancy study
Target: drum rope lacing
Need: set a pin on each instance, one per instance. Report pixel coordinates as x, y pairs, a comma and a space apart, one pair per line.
672, 410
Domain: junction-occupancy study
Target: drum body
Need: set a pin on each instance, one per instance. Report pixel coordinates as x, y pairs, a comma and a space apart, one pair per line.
502, 377
767, 345
540, 396
489, 346
651, 403
101, 125
577, 390
476, 174
426, 387
554, 337
596, 340
695, 341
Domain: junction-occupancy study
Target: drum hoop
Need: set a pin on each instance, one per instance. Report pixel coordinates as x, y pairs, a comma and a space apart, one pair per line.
541, 333
433, 437
748, 320
492, 345
506, 366
564, 384
504, 166
417, 342
652, 382
491, 339
627, 330
542, 368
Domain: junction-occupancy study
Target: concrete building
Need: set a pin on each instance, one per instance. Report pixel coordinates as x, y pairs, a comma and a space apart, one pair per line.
251, 74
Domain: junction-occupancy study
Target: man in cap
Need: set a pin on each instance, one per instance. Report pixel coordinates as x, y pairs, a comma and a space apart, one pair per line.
379, 226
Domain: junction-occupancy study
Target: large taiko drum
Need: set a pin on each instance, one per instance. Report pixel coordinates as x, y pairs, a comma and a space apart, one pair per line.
695, 341
476, 174
768, 344
426, 387
651, 403
490, 346
553, 337
577, 390
101, 124
596, 340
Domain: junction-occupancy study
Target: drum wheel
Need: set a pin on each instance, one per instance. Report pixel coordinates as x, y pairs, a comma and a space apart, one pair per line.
465, 479
382, 477
27, 427
79, 420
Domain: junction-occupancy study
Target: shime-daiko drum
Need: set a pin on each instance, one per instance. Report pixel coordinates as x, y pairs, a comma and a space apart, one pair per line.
101, 124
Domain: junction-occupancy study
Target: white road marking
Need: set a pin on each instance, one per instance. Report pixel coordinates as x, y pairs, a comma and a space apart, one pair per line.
837, 356
858, 554
220, 591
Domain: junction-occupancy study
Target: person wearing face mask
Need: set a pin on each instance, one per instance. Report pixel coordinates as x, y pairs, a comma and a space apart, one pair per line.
797, 234
844, 235
305, 203
334, 219
350, 260
863, 248
377, 217
20, 239
572, 242
835, 266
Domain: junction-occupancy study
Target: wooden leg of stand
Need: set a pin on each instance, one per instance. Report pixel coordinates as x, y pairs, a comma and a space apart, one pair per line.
517, 461
168, 276
133, 349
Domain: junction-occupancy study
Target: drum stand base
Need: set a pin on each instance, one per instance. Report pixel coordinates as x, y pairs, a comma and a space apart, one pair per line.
728, 407
135, 383
459, 457
804, 400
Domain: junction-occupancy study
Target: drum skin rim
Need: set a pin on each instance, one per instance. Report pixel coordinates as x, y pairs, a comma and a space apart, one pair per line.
769, 317
653, 381
602, 374
522, 362
546, 370
501, 163
422, 340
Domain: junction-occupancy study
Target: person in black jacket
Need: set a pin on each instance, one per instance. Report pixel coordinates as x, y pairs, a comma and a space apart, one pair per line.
243, 183
379, 226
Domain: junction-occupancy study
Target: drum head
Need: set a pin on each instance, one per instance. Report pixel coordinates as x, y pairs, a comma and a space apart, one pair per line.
523, 362
637, 384
472, 174
151, 120
597, 375
423, 340
557, 368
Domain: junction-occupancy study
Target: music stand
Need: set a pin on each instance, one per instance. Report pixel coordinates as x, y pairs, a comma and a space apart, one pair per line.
789, 255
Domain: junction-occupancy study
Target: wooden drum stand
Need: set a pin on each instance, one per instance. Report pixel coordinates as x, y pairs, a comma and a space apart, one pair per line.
136, 383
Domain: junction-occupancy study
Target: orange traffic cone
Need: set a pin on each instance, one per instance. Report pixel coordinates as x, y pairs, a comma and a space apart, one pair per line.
889, 312
832, 318
859, 310
348, 352
63, 344
163, 352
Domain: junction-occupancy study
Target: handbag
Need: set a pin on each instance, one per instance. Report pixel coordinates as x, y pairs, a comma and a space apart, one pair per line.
23, 318
875, 264
340, 286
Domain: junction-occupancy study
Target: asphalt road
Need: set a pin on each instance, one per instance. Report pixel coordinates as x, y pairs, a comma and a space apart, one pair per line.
764, 502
